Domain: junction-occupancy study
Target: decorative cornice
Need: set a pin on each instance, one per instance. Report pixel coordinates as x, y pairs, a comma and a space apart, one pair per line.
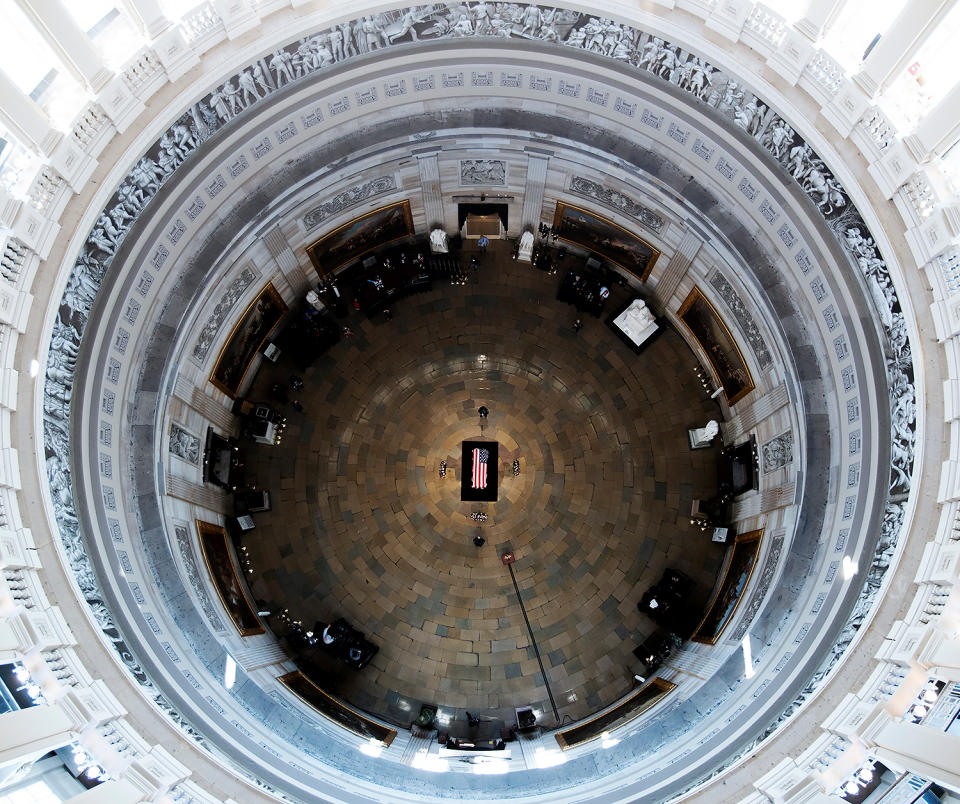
348, 198
732, 299
234, 291
616, 200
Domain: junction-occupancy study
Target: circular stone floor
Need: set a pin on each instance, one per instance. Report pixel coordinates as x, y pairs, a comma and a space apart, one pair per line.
364, 527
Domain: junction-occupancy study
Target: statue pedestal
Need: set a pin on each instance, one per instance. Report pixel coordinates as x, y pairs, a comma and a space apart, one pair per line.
636, 322
695, 441
702, 437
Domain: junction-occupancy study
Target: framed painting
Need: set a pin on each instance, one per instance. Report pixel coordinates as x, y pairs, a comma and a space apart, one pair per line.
743, 559
308, 691
715, 339
360, 236
247, 338
226, 579
604, 238
627, 710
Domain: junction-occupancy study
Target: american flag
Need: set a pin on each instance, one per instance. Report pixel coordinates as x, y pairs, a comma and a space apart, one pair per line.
479, 477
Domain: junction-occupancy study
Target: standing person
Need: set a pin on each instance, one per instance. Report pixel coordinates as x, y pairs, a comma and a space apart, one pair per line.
336, 43
406, 26
482, 243
348, 47
577, 325
358, 36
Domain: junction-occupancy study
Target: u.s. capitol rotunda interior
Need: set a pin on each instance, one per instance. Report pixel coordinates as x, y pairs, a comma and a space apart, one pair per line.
479, 401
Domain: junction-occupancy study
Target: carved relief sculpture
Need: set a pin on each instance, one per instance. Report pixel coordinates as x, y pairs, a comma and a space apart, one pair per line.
184, 445
483, 171
777, 452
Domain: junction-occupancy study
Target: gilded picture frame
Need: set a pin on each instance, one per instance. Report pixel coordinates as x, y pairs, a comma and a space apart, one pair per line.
247, 337
743, 561
605, 238
709, 330
360, 236
308, 691
651, 693
226, 579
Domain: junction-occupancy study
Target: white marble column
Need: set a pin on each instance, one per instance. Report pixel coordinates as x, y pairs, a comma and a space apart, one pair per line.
927, 752
537, 164
156, 774
238, 16
818, 18
941, 655
279, 248
68, 41
749, 416
204, 496
115, 791
10, 647
778, 497
150, 777
899, 43
23, 116
264, 655
33, 629
28, 734
208, 407
429, 169
939, 129
727, 18
678, 265
148, 16
789, 782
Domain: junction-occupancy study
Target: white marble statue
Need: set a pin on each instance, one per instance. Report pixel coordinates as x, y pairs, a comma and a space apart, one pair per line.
703, 436
525, 249
438, 241
314, 301
637, 322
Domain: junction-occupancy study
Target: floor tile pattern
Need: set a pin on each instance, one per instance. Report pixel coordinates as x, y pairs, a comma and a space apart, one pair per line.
364, 527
